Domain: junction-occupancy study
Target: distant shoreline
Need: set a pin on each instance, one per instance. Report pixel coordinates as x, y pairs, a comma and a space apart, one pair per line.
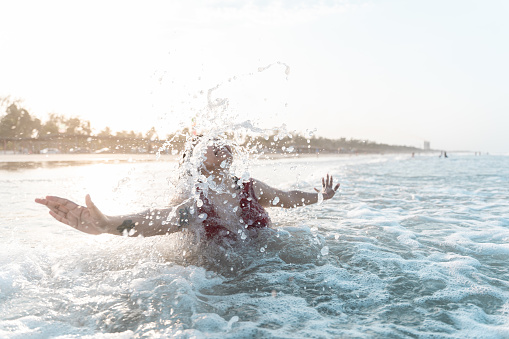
126, 157
14, 162
64, 157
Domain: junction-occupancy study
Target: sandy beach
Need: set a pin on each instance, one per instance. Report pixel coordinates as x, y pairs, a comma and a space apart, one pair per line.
119, 157
84, 157
13, 162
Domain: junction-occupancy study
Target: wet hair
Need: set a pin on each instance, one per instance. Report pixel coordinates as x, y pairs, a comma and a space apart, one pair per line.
191, 164
190, 146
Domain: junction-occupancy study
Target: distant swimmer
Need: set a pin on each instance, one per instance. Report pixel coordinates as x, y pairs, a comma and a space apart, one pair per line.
212, 201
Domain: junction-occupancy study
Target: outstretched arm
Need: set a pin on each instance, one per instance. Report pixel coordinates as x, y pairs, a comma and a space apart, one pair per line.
269, 196
91, 220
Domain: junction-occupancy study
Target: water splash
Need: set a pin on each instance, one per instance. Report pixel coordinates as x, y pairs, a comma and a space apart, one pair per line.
218, 122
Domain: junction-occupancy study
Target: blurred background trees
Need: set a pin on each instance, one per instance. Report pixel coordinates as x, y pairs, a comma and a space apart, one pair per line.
22, 133
17, 123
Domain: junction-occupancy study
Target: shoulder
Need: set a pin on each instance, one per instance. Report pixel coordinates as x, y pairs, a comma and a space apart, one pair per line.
257, 184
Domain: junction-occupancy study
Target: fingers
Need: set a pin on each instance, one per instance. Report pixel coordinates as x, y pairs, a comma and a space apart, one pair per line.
41, 201
60, 218
53, 206
61, 209
94, 211
65, 218
327, 181
332, 183
88, 202
61, 201
56, 203
92, 208
45, 202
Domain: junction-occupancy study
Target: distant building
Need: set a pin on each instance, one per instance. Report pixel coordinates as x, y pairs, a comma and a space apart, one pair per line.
426, 146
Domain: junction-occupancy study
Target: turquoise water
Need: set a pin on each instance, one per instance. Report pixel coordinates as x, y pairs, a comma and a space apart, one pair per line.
411, 247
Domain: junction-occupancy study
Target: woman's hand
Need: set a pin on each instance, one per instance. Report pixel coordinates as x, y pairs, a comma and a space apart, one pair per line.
327, 190
87, 219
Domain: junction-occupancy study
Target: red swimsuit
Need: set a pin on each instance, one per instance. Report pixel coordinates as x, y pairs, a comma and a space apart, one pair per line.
252, 213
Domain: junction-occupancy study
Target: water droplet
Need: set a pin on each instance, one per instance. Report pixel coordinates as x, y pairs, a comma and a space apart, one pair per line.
320, 198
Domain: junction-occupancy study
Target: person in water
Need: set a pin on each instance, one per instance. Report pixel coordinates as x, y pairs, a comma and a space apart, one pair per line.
219, 204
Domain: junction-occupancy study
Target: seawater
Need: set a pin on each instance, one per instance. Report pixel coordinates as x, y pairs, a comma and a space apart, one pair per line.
409, 247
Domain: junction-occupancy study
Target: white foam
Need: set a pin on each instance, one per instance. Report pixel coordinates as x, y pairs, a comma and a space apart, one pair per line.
372, 261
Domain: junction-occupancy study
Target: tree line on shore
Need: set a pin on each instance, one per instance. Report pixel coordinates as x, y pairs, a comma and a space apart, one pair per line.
20, 132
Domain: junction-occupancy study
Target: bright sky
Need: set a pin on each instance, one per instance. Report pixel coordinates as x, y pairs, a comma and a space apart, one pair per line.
391, 71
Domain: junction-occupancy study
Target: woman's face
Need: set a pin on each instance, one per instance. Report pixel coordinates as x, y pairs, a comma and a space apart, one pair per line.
216, 155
